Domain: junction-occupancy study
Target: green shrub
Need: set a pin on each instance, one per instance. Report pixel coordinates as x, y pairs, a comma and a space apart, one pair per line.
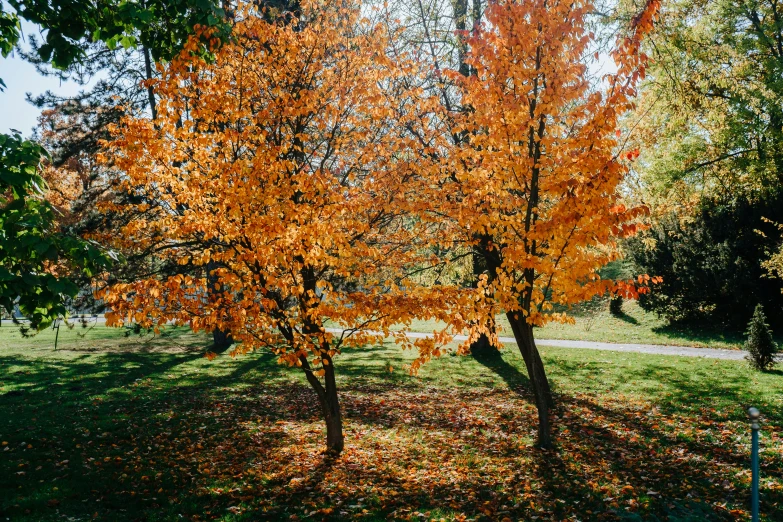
760, 346
711, 261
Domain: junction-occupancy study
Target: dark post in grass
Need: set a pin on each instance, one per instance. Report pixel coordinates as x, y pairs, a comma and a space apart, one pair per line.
753, 413
56, 326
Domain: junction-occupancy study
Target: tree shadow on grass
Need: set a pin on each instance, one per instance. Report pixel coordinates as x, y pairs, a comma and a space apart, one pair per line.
601, 471
683, 448
707, 336
245, 443
94, 374
610, 464
669, 472
622, 316
101, 427
514, 379
676, 478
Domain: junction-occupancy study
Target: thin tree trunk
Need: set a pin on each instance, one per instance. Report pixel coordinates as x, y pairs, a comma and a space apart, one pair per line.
221, 339
476, 17
330, 405
150, 91
332, 415
460, 23
523, 333
481, 347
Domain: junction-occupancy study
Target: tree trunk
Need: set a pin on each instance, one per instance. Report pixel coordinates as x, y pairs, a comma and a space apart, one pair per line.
330, 405
523, 333
481, 347
460, 22
221, 339
150, 90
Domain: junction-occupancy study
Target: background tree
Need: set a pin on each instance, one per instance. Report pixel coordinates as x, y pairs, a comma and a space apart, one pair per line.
114, 47
33, 258
437, 33
774, 265
158, 27
535, 184
29, 225
713, 96
710, 127
712, 261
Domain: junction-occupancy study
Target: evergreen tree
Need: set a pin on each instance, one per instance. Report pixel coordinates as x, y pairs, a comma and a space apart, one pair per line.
760, 346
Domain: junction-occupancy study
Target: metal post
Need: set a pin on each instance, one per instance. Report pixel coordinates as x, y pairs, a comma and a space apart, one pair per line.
754, 414
56, 326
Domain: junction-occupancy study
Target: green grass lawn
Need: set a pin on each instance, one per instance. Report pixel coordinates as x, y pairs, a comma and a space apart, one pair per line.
634, 326
116, 428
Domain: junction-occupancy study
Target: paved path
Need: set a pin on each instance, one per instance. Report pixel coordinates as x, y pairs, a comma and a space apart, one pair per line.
656, 349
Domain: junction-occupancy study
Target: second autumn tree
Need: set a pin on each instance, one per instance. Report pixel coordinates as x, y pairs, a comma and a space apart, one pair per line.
534, 186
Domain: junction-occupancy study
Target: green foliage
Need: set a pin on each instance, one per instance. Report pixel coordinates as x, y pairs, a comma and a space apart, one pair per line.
712, 106
712, 262
9, 32
159, 25
29, 242
760, 346
9, 35
19, 160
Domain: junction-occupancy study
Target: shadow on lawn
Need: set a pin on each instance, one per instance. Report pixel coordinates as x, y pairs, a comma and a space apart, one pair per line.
514, 379
631, 470
692, 388
622, 316
665, 475
122, 439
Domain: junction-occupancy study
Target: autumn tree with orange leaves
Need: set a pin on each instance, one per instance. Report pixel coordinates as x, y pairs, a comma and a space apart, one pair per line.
281, 161
534, 186
309, 177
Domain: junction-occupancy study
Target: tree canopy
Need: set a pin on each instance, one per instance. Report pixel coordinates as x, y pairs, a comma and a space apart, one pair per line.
278, 168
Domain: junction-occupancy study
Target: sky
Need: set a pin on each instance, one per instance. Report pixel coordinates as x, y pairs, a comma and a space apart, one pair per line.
20, 78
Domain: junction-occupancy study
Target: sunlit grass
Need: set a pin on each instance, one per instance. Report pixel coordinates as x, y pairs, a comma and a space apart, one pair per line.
146, 428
